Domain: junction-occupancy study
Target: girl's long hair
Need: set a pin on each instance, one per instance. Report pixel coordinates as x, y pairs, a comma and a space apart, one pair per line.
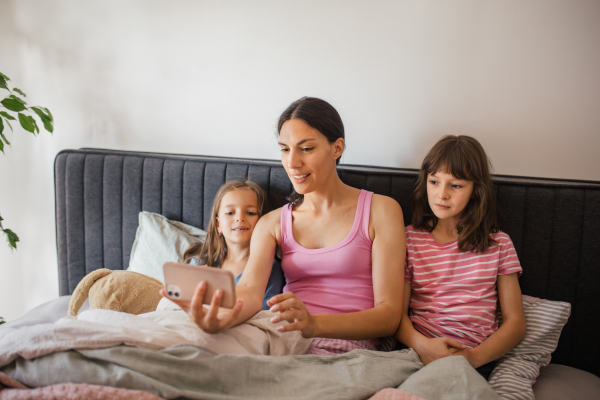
464, 158
213, 250
317, 114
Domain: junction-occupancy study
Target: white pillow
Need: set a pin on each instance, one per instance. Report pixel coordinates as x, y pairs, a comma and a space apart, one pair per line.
516, 372
159, 240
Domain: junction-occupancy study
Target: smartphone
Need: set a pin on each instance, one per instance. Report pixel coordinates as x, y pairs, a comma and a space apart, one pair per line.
182, 279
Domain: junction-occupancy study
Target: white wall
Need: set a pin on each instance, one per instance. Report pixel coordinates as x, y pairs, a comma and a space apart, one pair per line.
211, 77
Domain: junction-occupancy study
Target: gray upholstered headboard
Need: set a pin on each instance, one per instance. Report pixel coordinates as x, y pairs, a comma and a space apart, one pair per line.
554, 224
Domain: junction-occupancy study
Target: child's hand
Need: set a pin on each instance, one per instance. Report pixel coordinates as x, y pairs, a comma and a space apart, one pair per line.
436, 348
293, 310
466, 353
210, 320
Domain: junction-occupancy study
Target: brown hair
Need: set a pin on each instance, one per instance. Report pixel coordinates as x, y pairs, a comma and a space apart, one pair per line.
213, 250
464, 158
317, 114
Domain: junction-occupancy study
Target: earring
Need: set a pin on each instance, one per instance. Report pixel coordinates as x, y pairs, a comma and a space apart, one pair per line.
220, 233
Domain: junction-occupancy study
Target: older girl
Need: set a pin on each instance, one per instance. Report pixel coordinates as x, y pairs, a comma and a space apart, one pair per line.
459, 266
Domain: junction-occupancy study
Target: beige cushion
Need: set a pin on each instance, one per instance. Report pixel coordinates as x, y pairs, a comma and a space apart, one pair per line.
159, 240
562, 382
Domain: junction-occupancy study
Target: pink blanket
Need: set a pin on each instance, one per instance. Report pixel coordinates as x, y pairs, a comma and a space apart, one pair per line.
10, 389
394, 394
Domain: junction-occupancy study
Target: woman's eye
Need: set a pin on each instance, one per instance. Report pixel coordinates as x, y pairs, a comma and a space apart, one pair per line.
306, 149
456, 186
285, 150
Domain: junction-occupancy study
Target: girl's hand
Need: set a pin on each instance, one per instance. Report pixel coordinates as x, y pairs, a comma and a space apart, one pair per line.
293, 310
209, 320
436, 348
466, 353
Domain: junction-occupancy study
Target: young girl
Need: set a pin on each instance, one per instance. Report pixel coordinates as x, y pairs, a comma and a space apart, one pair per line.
236, 209
459, 266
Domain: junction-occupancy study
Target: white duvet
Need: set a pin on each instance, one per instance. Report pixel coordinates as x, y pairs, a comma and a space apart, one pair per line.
156, 330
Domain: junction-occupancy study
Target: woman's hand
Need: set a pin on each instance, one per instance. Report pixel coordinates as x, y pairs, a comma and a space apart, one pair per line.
293, 310
436, 348
209, 320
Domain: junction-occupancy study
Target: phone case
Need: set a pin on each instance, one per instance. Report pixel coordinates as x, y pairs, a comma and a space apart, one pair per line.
181, 281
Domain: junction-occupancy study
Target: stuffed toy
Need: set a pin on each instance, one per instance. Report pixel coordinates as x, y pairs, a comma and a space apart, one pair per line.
125, 291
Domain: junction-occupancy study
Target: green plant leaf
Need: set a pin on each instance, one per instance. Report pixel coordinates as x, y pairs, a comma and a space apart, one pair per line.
2, 146
6, 140
17, 98
7, 115
32, 120
12, 105
48, 125
50, 114
26, 123
20, 92
10, 126
1, 126
43, 116
11, 237
6, 78
3, 83
2, 320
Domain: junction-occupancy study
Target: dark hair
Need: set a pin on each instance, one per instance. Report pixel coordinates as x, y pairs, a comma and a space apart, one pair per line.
464, 158
318, 114
213, 250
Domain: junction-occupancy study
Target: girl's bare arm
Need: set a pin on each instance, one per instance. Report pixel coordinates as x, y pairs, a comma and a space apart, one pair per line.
513, 327
428, 349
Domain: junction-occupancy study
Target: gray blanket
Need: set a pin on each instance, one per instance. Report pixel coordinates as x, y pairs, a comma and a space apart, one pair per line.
192, 372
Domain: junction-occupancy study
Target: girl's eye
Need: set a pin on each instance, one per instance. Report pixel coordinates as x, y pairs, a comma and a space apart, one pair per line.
432, 181
252, 213
229, 213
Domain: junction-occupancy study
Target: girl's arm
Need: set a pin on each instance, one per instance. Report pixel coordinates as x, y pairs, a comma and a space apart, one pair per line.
428, 349
387, 257
513, 327
249, 290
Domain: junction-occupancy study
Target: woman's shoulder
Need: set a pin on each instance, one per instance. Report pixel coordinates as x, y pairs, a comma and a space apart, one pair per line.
384, 203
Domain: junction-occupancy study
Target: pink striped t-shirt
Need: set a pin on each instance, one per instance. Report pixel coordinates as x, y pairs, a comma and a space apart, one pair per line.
454, 293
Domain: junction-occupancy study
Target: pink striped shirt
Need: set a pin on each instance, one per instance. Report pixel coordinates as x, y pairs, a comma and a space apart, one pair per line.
454, 293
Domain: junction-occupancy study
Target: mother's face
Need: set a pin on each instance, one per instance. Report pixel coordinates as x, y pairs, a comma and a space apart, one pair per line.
307, 156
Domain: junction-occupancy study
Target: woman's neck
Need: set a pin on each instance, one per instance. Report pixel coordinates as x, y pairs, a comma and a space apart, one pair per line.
330, 194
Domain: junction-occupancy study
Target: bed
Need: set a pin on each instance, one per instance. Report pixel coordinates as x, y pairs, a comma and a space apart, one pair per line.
554, 224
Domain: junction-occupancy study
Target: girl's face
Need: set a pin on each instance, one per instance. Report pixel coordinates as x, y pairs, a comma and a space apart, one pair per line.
448, 196
238, 215
307, 156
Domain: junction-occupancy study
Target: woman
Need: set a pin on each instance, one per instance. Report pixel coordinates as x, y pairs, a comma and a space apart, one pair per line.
342, 249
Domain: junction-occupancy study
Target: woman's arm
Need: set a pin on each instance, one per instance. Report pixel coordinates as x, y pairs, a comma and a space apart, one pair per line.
387, 257
513, 327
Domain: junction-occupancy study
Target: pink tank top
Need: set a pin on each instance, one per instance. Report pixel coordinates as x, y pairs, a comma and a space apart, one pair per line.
331, 280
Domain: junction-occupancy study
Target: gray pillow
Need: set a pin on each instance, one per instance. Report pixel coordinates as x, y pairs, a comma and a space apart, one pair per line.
516, 372
158, 240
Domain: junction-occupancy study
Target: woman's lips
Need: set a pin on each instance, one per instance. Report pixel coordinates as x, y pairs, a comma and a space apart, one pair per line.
442, 207
299, 178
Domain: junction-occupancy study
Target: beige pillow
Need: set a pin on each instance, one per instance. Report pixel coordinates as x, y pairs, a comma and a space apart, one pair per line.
159, 240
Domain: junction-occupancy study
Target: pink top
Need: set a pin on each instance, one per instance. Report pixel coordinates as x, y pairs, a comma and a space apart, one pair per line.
454, 293
335, 279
